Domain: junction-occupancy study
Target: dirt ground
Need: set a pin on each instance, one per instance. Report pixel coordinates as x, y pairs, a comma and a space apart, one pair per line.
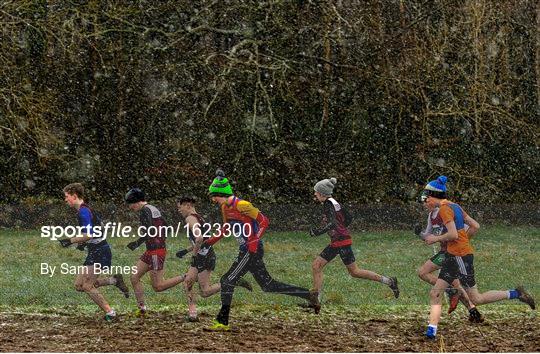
265, 331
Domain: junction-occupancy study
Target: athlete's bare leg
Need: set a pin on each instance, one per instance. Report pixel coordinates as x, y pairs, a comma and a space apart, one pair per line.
204, 284
85, 282
135, 278
356, 272
487, 297
104, 282
317, 270
191, 278
435, 301
425, 272
159, 284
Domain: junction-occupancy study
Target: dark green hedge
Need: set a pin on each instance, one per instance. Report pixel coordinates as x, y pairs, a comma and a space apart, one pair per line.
382, 95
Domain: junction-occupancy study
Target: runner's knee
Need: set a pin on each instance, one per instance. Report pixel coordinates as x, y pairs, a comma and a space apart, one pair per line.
475, 298
420, 272
78, 285
87, 287
158, 287
435, 293
355, 271
188, 282
205, 292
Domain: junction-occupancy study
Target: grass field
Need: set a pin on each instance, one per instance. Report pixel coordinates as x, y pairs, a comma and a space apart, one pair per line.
505, 257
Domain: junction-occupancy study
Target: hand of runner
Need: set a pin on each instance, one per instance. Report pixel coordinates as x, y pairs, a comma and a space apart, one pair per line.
182, 253
430, 239
65, 242
133, 245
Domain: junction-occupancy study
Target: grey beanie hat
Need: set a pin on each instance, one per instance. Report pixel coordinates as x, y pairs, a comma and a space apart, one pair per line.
326, 186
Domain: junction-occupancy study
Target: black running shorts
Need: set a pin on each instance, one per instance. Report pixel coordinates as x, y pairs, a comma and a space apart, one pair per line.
345, 252
206, 262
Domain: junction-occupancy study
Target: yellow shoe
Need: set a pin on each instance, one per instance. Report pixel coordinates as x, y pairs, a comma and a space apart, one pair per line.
216, 326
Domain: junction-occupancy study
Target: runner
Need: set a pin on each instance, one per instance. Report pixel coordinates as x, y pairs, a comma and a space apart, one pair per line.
153, 236
435, 226
336, 219
246, 222
458, 261
203, 261
99, 252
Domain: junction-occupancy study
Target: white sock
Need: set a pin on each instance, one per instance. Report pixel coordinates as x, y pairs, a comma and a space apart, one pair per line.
386, 280
111, 313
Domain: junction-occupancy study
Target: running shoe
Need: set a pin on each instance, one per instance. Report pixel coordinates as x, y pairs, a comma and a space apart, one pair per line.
218, 327
453, 299
141, 312
314, 301
109, 318
193, 318
394, 286
475, 316
431, 333
525, 297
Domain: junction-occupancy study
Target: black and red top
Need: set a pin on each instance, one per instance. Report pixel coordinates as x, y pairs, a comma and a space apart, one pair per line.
151, 217
335, 221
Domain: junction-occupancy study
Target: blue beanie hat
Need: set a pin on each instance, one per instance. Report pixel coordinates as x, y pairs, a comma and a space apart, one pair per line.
436, 188
438, 185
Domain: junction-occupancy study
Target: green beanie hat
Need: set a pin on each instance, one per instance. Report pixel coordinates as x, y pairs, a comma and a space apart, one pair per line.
220, 187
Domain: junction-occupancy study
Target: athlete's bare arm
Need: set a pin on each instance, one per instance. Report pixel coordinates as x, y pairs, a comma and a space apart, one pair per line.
450, 235
196, 230
81, 238
474, 226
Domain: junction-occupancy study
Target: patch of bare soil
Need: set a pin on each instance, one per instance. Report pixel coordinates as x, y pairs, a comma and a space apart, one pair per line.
263, 331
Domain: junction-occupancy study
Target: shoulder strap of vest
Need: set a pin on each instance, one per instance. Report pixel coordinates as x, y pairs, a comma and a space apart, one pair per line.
198, 217
336, 205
